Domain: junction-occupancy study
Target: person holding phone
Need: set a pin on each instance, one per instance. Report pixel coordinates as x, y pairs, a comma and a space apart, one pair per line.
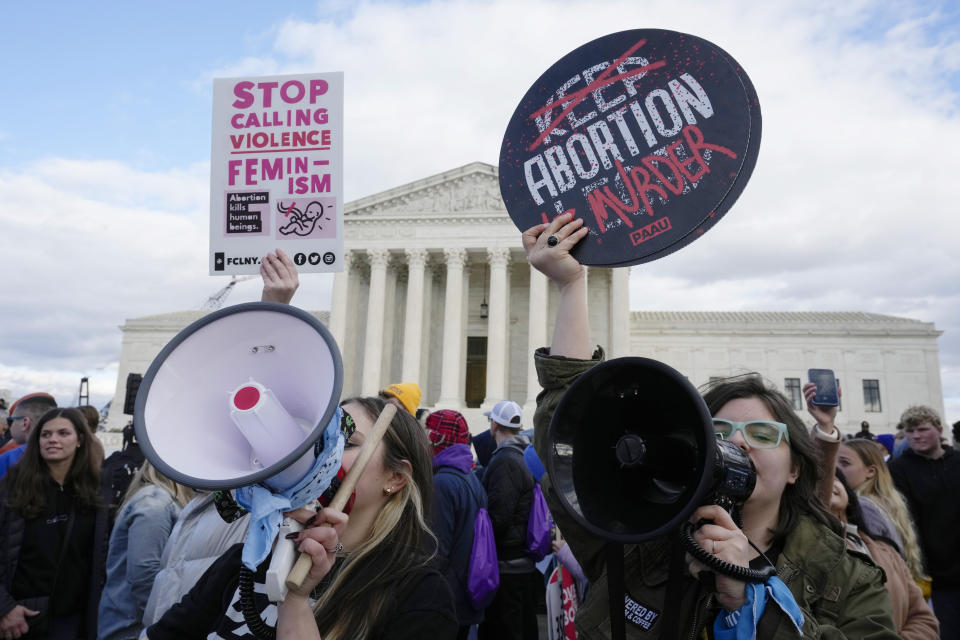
784, 517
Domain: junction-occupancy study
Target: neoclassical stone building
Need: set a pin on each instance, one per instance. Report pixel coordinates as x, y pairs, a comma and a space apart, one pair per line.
436, 290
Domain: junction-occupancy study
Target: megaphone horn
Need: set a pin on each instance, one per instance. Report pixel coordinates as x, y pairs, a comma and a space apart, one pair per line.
631, 449
240, 397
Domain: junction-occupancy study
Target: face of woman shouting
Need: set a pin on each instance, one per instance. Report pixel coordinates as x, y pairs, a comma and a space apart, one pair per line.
774, 467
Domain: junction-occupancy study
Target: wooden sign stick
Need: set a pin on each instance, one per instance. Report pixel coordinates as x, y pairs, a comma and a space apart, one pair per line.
302, 566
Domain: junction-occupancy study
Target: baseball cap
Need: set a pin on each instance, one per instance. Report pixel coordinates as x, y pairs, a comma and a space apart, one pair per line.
507, 413
408, 393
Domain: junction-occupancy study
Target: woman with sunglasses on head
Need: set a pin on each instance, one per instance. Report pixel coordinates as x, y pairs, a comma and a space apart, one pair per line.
831, 593
371, 574
53, 533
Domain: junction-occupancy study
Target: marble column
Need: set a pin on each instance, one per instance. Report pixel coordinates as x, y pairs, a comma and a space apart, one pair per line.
413, 320
339, 301
373, 341
536, 335
499, 259
451, 395
619, 312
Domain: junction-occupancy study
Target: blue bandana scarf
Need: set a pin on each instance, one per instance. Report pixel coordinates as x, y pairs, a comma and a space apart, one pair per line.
266, 507
742, 623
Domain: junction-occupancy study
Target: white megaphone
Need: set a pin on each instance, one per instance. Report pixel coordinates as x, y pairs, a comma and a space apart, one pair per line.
240, 397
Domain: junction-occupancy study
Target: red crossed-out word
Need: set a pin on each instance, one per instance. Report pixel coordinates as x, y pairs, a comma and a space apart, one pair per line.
602, 81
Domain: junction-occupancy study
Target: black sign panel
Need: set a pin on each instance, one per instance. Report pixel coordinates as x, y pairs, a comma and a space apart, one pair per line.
648, 135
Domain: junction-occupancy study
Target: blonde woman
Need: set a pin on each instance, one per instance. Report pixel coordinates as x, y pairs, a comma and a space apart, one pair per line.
144, 521
861, 463
372, 575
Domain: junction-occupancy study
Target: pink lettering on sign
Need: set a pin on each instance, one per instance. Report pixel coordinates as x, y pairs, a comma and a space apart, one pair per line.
291, 92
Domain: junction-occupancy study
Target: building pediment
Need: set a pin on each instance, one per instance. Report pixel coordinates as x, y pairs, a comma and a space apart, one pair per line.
468, 191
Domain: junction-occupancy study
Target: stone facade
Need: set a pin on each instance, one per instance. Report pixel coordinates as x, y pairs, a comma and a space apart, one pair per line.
436, 289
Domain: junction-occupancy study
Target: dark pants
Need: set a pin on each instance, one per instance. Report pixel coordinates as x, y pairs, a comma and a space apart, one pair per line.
946, 606
513, 613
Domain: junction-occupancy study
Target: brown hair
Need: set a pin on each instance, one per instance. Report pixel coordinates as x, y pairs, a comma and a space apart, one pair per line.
24, 482
802, 496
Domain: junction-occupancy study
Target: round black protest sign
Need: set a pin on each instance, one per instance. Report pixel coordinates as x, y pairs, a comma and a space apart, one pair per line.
647, 135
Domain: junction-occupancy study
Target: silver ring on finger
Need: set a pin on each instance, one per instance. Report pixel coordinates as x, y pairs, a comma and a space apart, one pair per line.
553, 241
713, 549
337, 549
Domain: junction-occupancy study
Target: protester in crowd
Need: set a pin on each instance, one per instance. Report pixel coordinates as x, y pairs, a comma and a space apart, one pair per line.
563, 554
199, 537
928, 476
864, 469
956, 433
143, 524
864, 431
457, 497
371, 574
53, 534
24, 413
484, 446
118, 470
886, 441
509, 485
912, 616
4, 427
404, 395
784, 517
92, 416
374, 564
422, 415
900, 442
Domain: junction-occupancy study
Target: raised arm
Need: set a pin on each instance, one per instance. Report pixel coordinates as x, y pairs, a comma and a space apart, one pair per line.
571, 335
280, 278
826, 438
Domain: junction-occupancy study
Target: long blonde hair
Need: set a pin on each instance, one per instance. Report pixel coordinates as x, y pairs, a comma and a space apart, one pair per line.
881, 490
398, 543
147, 474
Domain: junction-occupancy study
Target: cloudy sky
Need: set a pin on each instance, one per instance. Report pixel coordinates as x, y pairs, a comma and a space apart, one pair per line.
105, 144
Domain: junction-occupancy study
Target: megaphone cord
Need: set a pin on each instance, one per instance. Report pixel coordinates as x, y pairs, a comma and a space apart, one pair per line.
745, 574
248, 608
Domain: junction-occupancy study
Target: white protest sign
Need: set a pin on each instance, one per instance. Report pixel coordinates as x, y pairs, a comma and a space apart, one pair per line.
276, 172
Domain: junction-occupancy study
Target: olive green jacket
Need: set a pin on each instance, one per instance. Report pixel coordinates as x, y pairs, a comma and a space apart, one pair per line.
841, 595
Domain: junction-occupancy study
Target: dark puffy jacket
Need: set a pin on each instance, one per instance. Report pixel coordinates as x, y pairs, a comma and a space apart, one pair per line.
457, 497
509, 486
12, 526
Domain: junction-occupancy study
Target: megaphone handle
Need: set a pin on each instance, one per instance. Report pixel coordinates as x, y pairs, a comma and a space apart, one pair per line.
302, 566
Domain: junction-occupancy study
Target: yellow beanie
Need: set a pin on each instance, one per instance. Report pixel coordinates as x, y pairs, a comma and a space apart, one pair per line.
408, 393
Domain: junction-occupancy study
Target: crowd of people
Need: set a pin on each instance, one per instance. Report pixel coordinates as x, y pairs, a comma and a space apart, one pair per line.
436, 539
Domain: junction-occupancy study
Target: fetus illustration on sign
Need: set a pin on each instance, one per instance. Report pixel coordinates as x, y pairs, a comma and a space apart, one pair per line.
302, 222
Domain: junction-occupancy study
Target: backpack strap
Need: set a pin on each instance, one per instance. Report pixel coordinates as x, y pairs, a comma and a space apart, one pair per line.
460, 474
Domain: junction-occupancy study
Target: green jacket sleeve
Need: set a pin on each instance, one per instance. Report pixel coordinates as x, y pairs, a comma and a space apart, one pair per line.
556, 374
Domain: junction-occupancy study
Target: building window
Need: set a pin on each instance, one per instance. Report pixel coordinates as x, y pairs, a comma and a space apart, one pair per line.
792, 385
871, 396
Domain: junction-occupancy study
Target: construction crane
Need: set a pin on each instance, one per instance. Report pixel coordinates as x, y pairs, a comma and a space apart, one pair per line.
216, 301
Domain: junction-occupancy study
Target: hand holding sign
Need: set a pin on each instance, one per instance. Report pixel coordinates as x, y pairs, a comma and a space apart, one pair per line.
648, 136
